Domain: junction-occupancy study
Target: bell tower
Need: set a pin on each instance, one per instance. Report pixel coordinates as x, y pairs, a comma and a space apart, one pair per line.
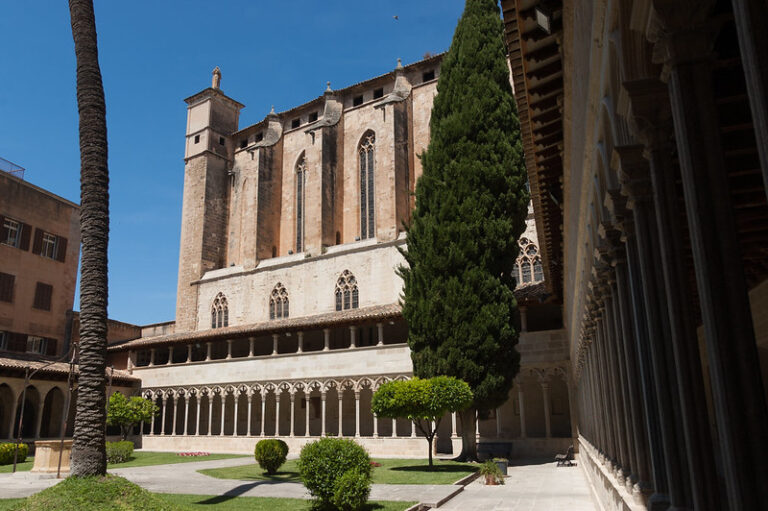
212, 117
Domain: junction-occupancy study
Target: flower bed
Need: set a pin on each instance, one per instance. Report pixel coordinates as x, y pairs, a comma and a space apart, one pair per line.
198, 453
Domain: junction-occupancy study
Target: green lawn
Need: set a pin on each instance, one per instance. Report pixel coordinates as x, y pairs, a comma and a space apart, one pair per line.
391, 471
194, 502
138, 459
20, 467
147, 458
9, 504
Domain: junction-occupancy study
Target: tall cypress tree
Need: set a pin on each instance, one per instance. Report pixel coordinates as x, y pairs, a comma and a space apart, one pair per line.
471, 204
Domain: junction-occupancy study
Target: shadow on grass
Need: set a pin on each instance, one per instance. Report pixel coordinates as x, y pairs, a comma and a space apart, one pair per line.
277, 477
437, 469
229, 495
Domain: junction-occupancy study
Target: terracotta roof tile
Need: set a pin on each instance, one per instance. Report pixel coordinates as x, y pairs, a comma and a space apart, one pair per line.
21, 361
336, 318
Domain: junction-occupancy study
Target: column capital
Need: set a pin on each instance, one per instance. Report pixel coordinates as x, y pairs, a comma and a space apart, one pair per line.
650, 116
633, 172
682, 31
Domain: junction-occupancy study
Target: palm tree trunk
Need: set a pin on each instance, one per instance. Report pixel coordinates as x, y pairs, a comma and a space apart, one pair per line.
88, 448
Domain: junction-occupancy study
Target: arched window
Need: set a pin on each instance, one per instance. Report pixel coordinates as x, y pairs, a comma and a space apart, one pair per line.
346, 292
538, 271
219, 312
301, 173
366, 152
278, 302
516, 273
526, 267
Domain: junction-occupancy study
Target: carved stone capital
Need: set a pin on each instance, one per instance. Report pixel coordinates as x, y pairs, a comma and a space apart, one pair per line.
633, 173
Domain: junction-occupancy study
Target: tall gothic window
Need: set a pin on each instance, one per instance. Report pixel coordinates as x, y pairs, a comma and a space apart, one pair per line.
367, 196
219, 312
346, 292
278, 302
527, 267
301, 174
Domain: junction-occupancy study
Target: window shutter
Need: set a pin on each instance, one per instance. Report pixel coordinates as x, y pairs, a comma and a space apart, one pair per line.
26, 229
6, 287
37, 246
17, 342
50, 348
3, 230
43, 293
61, 248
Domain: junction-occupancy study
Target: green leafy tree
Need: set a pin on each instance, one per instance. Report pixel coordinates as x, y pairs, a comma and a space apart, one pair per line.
126, 413
425, 402
471, 204
89, 457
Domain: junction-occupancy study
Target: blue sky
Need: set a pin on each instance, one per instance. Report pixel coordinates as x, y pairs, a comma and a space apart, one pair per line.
153, 55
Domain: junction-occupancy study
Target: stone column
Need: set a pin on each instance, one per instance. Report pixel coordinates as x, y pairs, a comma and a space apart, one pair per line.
130, 361
380, 332
292, 396
453, 425
229, 349
300, 342
278, 395
751, 19
274, 344
263, 410
186, 414
223, 411
413, 429
251, 341
326, 339
236, 397
151, 423
375, 425
39, 416
175, 414
341, 403
207, 351
498, 422
170, 355
306, 412
394, 428
197, 422
250, 402
547, 411
740, 406
523, 318
357, 414
210, 414
650, 104
521, 402
162, 419
151, 357
353, 336
189, 353
322, 413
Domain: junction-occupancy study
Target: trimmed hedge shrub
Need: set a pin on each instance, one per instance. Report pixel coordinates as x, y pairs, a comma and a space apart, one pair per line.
323, 463
119, 452
270, 454
351, 491
6, 453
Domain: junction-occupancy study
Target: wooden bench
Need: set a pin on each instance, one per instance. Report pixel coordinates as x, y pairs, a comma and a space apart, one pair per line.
565, 460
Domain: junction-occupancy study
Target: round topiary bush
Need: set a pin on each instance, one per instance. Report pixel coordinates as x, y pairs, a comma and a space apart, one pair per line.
351, 490
119, 452
7, 451
270, 454
323, 463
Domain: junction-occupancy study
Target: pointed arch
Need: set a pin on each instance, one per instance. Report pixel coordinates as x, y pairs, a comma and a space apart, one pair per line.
366, 151
278, 302
300, 188
219, 312
347, 295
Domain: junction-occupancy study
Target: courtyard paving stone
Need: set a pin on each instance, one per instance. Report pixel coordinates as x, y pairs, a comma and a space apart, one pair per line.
531, 486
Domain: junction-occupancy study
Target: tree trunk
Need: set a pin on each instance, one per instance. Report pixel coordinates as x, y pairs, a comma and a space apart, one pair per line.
88, 449
468, 438
429, 441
